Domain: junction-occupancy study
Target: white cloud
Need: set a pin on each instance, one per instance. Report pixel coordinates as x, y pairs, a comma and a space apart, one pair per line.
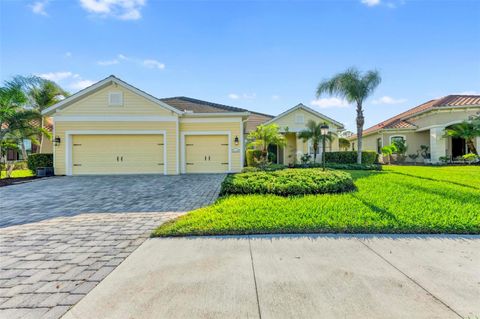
122, 57
108, 62
388, 100
371, 3
332, 102
119, 9
68, 54
244, 96
150, 63
469, 93
80, 84
38, 7
57, 76
275, 97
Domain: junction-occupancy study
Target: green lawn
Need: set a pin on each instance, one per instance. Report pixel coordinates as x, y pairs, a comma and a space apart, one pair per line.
18, 173
400, 199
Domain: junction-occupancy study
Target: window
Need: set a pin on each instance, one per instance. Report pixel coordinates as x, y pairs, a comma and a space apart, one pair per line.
310, 148
28, 148
379, 145
299, 119
399, 138
115, 99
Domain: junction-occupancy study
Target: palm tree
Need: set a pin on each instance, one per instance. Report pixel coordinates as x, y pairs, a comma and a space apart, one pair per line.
344, 143
354, 87
43, 95
466, 130
266, 135
313, 132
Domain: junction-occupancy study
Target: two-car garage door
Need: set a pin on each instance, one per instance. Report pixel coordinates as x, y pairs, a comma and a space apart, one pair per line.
117, 154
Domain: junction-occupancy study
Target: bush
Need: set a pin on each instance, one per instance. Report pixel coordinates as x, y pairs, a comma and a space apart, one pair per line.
288, 182
350, 157
39, 160
253, 157
20, 165
359, 167
267, 168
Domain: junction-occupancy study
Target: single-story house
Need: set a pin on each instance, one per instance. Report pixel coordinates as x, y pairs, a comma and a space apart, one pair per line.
425, 124
291, 122
113, 127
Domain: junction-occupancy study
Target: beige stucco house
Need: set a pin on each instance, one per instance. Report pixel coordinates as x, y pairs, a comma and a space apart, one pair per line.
113, 127
425, 125
290, 123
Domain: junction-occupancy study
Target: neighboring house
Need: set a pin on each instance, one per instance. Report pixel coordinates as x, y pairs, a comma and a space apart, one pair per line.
112, 127
31, 148
293, 121
425, 125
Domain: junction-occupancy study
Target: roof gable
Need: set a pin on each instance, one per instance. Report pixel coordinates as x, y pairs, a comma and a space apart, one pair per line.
306, 109
187, 104
103, 84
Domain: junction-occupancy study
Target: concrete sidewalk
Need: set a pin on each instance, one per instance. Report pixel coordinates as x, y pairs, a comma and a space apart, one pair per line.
327, 276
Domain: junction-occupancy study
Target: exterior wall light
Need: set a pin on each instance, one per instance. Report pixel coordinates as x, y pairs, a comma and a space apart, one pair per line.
57, 140
236, 140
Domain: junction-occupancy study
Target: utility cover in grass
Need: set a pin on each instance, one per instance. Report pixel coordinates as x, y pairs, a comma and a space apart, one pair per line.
287, 182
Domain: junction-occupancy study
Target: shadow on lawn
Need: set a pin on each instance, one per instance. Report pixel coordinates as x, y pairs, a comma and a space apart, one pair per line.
434, 179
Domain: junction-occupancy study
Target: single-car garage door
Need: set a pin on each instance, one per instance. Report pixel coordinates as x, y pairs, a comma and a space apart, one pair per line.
117, 154
206, 153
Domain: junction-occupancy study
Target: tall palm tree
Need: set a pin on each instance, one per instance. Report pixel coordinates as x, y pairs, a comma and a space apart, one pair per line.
43, 95
313, 132
466, 130
355, 87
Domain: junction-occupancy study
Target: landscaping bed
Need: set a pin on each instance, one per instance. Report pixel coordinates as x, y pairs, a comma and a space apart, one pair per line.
399, 199
288, 182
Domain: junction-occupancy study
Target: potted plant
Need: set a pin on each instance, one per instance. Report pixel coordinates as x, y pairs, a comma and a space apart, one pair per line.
414, 157
425, 153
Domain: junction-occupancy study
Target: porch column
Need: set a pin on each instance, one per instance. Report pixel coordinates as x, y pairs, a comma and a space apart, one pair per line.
438, 144
477, 144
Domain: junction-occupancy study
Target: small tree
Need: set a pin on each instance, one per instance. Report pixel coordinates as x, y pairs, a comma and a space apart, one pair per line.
313, 132
468, 130
400, 149
387, 152
263, 137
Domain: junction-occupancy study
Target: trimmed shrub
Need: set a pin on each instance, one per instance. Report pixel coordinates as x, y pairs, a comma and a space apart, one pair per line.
350, 157
288, 182
253, 157
359, 167
39, 160
268, 168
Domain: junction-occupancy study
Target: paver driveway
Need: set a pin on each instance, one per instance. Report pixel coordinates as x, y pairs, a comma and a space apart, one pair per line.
53, 254
71, 195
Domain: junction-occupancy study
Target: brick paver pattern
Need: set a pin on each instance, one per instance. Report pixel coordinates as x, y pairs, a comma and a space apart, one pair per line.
46, 267
72, 195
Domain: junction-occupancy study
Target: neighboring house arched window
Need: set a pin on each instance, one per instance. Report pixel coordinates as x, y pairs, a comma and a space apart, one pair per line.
397, 138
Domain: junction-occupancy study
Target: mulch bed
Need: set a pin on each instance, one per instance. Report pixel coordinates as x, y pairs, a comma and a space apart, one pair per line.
18, 180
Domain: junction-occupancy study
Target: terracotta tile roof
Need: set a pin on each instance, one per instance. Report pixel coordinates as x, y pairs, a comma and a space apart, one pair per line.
400, 121
255, 119
184, 103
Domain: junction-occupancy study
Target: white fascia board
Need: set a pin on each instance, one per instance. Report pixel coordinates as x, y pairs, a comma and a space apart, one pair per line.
307, 109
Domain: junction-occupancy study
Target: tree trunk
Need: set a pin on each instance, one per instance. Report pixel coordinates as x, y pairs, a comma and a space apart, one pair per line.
360, 122
315, 149
24, 151
41, 138
471, 146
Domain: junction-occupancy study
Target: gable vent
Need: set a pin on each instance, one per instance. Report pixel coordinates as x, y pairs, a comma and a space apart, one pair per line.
115, 98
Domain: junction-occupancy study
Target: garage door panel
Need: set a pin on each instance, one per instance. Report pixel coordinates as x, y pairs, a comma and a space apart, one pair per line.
117, 154
206, 153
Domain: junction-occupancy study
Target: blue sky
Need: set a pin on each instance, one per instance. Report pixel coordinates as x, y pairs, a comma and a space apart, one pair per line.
265, 56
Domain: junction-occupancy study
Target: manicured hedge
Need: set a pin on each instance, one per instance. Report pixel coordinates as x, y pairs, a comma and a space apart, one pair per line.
287, 182
357, 167
350, 157
39, 160
253, 156
267, 168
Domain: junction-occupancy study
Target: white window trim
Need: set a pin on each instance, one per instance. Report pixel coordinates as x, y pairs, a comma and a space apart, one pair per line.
110, 98
68, 143
397, 135
299, 116
228, 133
